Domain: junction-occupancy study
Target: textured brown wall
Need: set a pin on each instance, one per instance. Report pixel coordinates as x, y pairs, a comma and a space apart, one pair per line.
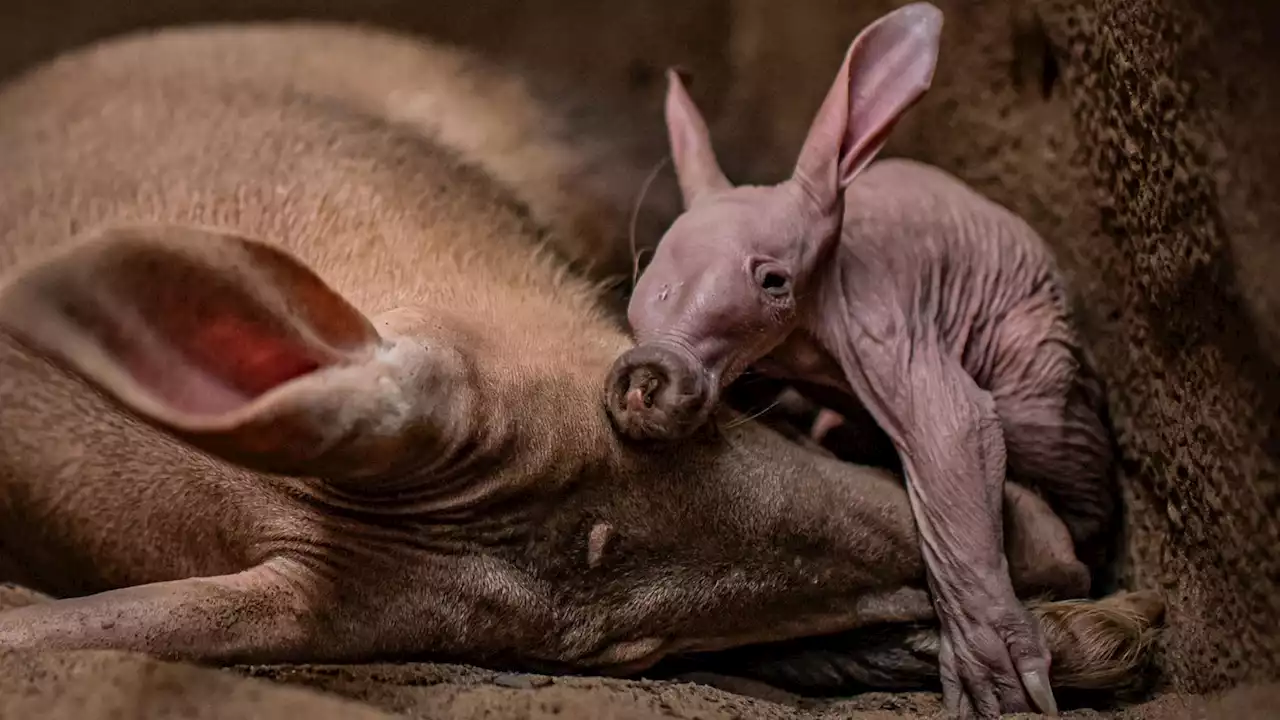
1149, 164
1196, 398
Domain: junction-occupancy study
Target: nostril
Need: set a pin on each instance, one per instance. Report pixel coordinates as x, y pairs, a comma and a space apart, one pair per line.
640, 388
639, 399
635, 400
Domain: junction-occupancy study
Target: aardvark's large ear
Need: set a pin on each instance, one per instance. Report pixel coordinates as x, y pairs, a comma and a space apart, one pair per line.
695, 159
888, 68
229, 343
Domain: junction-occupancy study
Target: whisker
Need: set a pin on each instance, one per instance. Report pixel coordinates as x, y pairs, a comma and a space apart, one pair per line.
752, 416
635, 217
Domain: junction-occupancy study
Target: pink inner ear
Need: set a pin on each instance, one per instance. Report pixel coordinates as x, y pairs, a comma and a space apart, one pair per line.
250, 357
223, 364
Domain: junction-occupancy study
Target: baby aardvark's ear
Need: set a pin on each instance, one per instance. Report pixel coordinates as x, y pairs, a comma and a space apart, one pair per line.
888, 68
691, 149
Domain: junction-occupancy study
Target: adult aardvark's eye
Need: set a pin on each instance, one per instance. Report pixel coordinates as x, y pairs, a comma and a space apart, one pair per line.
773, 280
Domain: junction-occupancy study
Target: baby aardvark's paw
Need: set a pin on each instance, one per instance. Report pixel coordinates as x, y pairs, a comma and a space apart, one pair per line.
993, 659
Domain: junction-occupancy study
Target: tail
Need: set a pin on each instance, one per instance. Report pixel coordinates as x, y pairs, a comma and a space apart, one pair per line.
1101, 645
1098, 647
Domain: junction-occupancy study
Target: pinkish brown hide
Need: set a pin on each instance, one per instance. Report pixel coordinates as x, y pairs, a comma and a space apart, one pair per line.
895, 287
284, 380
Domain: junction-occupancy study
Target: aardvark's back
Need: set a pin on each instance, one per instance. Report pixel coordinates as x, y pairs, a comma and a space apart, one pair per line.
954, 252
250, 131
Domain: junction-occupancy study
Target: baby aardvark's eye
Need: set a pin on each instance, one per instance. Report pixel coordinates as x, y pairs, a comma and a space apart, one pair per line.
773, 280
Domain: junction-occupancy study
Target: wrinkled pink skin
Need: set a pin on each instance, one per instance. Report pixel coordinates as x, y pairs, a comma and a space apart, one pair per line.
938, 310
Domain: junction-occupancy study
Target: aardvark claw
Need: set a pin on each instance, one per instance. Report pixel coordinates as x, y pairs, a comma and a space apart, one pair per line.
1041, 694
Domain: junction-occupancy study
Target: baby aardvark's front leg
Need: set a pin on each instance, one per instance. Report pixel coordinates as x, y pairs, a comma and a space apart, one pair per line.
947, 433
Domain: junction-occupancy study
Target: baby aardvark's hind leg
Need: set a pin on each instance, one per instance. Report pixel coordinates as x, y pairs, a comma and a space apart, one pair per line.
1058, 441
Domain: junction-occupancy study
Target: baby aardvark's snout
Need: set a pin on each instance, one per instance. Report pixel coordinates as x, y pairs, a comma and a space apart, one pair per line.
657, 392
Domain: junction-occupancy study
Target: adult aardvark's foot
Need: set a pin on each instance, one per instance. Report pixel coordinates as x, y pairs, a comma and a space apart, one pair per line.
993, 659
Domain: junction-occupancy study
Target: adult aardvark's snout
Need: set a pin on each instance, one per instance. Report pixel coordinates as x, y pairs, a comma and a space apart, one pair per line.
658, 392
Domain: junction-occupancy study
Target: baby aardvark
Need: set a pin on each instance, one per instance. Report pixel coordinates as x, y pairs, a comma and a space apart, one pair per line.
940, 311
